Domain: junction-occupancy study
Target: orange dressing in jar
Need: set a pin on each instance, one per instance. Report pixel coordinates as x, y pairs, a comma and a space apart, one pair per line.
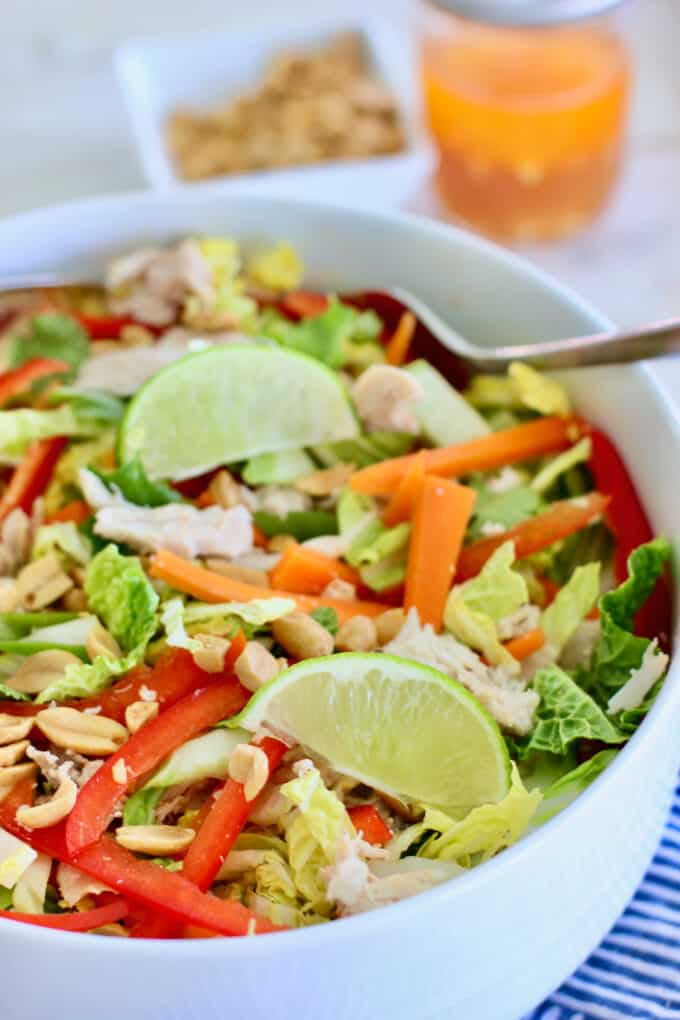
529, 121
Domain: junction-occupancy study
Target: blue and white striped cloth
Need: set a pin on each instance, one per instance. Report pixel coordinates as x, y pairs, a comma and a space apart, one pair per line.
635, 973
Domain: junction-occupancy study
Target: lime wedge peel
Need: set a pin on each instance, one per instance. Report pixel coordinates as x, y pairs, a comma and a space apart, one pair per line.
391, 723
229, 404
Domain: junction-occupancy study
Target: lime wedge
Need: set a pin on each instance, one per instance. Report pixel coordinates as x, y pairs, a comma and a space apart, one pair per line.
231, 403
398, 726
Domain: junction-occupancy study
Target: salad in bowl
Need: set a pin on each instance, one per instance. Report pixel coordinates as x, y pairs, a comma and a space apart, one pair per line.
295, 620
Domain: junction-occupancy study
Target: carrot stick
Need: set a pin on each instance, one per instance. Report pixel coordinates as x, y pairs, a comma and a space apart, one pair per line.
522, 647
440, 518
205, 584
398, 347
560, 520
259, 538
77, 511
307, 572
522, 442
400, 506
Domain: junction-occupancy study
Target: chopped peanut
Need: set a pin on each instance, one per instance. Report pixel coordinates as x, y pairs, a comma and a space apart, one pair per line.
158, 840
249, 765
42, 582
119, 772
326, 482
41, 670
342, 591
100, 642
357, 634
80, 731
139, 713
279, 543
388, 624
14, 727
10, 754
12, 774
302, 636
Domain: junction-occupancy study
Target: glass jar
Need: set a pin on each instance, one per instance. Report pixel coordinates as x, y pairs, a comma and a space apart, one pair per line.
527, 101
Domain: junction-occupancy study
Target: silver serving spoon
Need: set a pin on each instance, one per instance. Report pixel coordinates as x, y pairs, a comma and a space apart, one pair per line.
650, 341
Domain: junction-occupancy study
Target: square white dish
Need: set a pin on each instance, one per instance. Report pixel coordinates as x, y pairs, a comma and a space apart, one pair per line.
160, 73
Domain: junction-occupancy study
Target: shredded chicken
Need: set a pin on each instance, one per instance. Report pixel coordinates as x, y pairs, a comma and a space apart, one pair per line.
151, 284
74, 885
16, 537
524, 619
183, 529
641, 680
355, 885
502, 695
59, 765
581, 644
386, 397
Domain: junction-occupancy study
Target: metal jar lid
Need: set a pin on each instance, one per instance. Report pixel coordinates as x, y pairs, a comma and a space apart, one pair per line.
528, 12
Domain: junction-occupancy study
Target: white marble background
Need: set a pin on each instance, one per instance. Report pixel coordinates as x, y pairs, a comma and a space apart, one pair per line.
64, 133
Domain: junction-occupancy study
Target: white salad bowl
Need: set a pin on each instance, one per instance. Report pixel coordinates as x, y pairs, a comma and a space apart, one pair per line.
490, 944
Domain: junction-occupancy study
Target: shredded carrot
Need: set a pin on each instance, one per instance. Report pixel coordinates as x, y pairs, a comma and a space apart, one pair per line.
522, 442
522, 647
560, 520
77, 511
211, 587
205, 499
259, 538
307, 572
550, 589
398, 347
440, 518
400, 506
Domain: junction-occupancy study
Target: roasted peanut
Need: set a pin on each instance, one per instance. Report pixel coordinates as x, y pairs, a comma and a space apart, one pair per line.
42, 669
51, 811
158, 840
14, 727
249, 765
42, 582
13, 774
10, 754
302, 636
342, 591
326, 482
389, 624
357, 634
255, 666
279, 543
100, 642
210, 656
78, 731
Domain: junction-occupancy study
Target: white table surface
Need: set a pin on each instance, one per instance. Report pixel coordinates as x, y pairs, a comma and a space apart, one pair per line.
64, 131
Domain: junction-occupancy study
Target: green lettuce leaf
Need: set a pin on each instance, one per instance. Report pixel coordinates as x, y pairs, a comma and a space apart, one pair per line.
204, 757
472, 609
64, 485
313, 834
9, 694
120, 593
131, 481
619, 651
571, 604
19, 428
324, 336
327, 617
257, 612
301, 524
51, 335
505, 508
90, 405
276, 268
485, 830
566, 713
86, 680
548, 475
567, 787
367, 449
64, 539
376, 543
523, 387
172, 622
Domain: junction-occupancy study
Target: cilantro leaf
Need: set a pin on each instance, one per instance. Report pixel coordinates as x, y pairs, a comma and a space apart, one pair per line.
132, 481
51, 335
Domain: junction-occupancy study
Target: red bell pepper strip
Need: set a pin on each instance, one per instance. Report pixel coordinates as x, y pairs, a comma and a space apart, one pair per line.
560, 520
109, 327
303, 304
142, 752
18, 381
630, 526
30, 478
86, 920
162, 892
168, 893
370, 826
224, 822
